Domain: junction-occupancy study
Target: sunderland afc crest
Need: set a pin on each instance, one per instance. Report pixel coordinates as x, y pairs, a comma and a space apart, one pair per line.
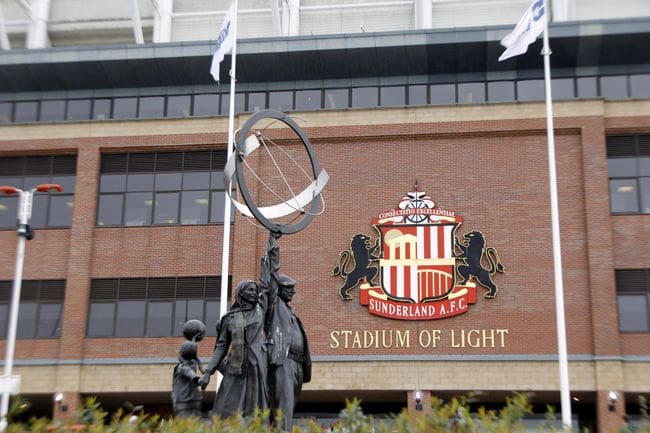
417, 268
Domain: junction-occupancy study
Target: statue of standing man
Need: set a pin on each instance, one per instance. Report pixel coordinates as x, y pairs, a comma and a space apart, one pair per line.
289, 359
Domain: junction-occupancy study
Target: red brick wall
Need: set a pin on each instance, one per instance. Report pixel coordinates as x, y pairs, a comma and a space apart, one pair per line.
493, 173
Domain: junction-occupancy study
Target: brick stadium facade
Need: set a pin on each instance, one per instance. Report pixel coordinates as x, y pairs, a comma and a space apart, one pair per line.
487, 162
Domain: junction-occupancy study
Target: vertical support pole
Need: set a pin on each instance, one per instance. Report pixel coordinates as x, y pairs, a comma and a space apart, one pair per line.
24, 213
565, 400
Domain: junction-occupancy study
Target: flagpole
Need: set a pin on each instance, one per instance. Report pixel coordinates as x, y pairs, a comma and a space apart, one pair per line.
225, 256
565, 400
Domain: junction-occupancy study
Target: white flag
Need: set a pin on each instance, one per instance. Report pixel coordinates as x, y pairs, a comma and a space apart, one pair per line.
224, 43
530, 26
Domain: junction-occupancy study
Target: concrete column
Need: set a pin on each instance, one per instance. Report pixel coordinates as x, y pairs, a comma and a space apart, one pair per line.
423, 14
560, 10
290, 17
37, 32
165, 8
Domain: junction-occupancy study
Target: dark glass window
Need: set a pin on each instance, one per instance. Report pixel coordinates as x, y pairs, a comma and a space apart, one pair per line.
364, 97
256, 101
159, 318
530, 90
392, 96
442, 94
78, 109
151, 107
8, 210
60, 211
240, 103
52, 110
40, 310
562, 88
130, 319
176, 189
587, 87
640, 86
5, 112
614, 87
109, 210
101, 109
180, 105
633, 295
49, 323
153, 307
125, 108
501, 91
281, 101
137, 208
471, 93
308, 99
26, 112
101, 319
628, 166
206, 104
194, 207
417, 94
27, 315
337, 98
52, 209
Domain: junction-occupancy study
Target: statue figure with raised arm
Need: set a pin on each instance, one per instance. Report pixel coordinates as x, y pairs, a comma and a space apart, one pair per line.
240, 352
289, 359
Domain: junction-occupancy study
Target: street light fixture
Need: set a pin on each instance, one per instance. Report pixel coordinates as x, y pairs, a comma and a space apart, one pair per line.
9, 383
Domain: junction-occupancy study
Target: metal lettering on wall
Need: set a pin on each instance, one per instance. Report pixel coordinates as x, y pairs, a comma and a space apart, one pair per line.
417, 269
426, 338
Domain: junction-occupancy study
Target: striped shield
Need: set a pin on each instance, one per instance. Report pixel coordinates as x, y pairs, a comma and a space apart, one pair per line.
417, 261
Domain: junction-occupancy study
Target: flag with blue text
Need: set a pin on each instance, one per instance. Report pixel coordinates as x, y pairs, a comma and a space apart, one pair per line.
224, 43
530, 26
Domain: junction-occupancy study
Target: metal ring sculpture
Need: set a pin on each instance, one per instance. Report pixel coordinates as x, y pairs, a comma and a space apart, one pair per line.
245, 144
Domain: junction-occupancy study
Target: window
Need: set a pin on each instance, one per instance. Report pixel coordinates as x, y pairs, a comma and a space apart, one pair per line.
471, 93
101, 109
337, 98
206, 104
392, 96
26, 112
52, 110
78, 109
530, 90
152, 307
151, 107
179, 106
48, 209
614, 87
256, 101
587, 87
308, 99
628, 164
5, 112
143, 189
40, 310
417, 94
501, 91
281, 101
125, 108
633, 296
364, 97
640, 86
443, 94
562, 88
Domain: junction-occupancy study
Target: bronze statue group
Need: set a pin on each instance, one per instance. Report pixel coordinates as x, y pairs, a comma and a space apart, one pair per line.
261, 350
